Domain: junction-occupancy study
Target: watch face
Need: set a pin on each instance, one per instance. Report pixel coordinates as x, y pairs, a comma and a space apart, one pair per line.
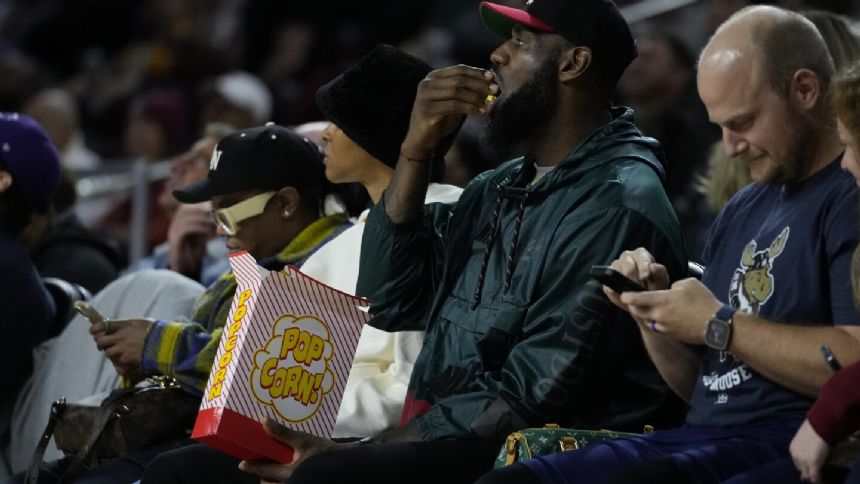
717, 335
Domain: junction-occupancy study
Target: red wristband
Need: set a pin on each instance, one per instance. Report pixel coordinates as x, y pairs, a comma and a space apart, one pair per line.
417, 159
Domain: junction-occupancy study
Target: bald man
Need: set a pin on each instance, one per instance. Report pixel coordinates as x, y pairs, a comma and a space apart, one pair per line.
743, 345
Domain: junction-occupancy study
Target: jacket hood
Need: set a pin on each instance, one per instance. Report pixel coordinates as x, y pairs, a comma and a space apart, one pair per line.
618, 139
67, 230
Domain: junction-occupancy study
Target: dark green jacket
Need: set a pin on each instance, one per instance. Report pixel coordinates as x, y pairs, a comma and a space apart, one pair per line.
536, 341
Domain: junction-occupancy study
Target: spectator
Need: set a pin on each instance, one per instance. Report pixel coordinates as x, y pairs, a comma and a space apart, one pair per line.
517, 335
239, 99
243, 170
836, 413
157, 128
369, 107
57, 111
842, 42
29, 176
726, 176
62, 247
659, 87
286, 229
742, 346
157, 125
351, 198
191, 249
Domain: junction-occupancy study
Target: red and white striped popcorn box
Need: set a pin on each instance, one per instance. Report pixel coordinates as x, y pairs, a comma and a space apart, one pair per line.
285, 353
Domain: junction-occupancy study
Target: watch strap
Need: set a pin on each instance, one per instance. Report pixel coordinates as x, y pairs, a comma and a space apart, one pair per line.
725, 313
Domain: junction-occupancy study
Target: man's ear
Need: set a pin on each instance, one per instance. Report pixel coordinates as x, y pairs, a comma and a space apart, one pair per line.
805, 88
573, 62
5, 180
288, 202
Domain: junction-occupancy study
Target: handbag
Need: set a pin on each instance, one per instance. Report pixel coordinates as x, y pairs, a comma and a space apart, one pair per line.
535, 442
154, 411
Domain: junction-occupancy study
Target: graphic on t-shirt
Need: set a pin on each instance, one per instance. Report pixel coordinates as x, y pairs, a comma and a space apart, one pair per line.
752, 283
751, 287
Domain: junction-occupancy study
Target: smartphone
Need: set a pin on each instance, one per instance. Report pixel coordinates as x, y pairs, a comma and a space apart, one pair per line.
830, 358
88, 311
614, 279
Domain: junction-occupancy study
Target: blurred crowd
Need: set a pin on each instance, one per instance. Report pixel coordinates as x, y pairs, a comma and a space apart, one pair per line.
185, 129
119, 83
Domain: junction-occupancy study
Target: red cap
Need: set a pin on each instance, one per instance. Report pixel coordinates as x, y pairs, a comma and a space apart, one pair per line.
500, 19
597, 24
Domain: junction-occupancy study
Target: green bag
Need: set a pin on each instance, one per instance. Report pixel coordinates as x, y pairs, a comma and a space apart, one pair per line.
535, 442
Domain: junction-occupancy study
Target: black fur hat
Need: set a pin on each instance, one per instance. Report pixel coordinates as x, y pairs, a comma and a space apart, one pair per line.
372, 103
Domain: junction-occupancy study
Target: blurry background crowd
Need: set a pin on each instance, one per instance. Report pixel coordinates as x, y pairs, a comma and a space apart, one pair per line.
124, 87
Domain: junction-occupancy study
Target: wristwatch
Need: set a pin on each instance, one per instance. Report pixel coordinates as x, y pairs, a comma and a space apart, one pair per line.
718, 332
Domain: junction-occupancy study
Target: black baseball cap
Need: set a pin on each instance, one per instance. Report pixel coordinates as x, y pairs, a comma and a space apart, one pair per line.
593, 23
267, 157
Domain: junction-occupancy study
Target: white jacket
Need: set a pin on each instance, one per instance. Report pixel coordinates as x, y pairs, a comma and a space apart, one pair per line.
376, 388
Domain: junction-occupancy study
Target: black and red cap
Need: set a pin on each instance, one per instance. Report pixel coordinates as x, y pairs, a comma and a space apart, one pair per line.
597, 24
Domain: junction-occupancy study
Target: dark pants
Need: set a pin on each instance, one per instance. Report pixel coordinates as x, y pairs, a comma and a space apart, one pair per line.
854, 475
438, 462
196, 463
121, 469
702, 455
783, 472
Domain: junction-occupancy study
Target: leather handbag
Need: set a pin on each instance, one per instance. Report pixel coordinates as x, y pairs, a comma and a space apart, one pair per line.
156, 410
535, 442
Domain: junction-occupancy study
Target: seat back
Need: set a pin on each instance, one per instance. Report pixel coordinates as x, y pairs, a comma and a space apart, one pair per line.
65, 295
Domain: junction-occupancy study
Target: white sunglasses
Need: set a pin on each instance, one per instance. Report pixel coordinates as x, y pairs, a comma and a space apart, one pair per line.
228, 218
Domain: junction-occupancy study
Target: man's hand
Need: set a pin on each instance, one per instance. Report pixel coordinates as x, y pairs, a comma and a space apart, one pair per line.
808, 451
681, 312
443, 99
124, 344
638, 266
304, 445
190, 230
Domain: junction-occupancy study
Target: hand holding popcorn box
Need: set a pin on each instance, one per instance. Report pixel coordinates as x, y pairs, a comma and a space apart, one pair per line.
285, 353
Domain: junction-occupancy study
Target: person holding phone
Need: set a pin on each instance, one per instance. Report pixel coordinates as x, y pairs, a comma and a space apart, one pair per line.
267, 186
742, 346
836, 412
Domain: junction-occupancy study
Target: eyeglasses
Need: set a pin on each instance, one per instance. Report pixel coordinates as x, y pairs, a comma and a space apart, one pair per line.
228, 218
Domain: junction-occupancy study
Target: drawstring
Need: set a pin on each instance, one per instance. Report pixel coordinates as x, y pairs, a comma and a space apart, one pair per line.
491, 239
509, 269
503, 192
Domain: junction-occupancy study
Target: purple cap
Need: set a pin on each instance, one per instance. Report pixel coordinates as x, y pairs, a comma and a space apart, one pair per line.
31, 158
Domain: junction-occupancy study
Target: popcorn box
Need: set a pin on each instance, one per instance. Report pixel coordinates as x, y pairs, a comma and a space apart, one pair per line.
285, 353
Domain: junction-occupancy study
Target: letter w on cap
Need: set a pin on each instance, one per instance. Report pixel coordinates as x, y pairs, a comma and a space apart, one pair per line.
216, 157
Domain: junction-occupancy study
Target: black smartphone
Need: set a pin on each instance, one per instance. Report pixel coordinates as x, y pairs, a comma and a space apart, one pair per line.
830, 358
614, 279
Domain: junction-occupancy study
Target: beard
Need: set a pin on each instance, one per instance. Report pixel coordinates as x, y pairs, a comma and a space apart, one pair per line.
804, 134
526, 112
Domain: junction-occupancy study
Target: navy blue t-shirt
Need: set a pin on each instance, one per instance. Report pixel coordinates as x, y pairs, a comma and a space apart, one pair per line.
782, 252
